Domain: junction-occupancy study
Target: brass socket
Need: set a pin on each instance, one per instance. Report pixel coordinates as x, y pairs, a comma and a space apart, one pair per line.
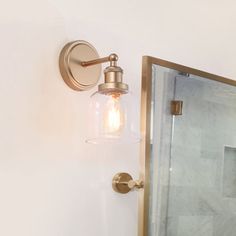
113, 81
113, 74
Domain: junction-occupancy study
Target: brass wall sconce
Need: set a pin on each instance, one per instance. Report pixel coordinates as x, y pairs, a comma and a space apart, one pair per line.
110, 107
80, 67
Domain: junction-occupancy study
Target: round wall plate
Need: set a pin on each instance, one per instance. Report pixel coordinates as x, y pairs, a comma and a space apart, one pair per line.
120, 183
73, 73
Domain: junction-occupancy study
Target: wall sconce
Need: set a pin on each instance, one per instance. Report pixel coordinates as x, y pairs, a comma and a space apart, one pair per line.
110, 107
80, 67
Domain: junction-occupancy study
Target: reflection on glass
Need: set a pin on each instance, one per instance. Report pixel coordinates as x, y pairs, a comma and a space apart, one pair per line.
193, 163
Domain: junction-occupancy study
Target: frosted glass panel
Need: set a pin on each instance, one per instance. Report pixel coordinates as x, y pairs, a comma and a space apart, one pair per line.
193, 161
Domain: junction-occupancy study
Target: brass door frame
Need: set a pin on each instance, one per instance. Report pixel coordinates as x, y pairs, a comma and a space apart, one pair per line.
147, 63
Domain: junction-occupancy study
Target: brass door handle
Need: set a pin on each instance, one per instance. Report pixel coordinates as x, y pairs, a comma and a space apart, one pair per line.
124, 183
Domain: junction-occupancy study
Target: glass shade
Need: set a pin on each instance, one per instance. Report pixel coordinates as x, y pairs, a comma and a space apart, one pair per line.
111, 119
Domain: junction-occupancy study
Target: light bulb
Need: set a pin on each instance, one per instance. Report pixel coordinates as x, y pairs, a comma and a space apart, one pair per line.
110, 119
114, 116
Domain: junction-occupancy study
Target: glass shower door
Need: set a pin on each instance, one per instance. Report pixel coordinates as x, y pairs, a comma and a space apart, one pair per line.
201, 191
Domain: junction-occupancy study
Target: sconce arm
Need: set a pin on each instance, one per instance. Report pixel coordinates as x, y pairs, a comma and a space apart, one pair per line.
112, 58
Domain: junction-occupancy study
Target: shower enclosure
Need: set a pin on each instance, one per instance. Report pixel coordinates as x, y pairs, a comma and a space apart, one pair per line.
190, 152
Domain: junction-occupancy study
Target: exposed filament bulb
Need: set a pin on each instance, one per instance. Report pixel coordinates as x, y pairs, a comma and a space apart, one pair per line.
114, 115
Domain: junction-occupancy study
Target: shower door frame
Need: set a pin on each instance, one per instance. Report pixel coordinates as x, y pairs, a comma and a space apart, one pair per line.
145, 152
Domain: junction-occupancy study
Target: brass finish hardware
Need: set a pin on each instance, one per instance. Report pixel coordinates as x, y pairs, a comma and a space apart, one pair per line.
124, 183
176, 107
75, 75
113, 80
80, 67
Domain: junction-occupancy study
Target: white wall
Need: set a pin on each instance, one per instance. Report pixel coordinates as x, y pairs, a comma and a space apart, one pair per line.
52, 183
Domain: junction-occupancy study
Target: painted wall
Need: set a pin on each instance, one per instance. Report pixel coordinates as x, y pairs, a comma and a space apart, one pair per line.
52, 183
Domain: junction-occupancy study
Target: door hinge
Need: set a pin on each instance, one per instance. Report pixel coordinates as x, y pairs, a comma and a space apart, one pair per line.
176, 107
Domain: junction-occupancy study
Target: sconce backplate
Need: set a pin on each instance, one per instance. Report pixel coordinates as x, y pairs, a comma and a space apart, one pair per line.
75, 75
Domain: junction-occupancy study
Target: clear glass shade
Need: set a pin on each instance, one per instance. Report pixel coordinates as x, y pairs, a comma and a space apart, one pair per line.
112, 119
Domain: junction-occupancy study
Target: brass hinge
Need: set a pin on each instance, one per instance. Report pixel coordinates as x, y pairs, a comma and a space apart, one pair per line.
176, 107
